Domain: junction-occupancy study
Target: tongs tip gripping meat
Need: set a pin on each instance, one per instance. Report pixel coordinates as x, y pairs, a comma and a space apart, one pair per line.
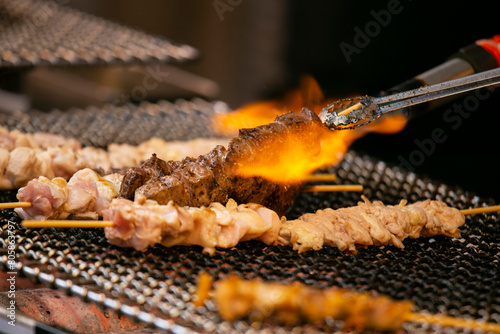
355, 112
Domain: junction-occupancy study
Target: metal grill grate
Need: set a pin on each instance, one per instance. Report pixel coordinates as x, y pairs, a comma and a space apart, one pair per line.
42, 32
456, 276
126, 124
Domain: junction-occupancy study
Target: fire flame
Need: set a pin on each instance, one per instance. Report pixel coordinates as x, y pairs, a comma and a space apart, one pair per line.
290, 159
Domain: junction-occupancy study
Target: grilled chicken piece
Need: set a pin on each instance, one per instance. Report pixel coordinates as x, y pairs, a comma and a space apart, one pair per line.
47, 198
371, 224
86, 195
89, 194
5, 182
26, 156
292, 303
144, 223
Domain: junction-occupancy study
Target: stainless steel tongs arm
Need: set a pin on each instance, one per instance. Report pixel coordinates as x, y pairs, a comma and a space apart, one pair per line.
346, 114
425, 94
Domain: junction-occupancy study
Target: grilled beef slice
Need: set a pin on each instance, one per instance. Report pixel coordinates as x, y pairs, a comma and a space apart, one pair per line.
209, 178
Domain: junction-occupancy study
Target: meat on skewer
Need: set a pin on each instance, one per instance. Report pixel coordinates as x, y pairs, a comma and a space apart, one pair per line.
58, 199
144, 223
85, 196
370, 224
296, 303
24, 157
210, 177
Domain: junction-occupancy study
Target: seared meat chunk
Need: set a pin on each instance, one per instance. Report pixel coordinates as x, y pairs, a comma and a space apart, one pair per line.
212, 177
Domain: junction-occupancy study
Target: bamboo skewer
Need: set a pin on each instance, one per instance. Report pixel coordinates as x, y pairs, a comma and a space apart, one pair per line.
67, 223
320, 177
486, 209
325, 188
204, 289
448, 321
105, 223
12, 205
348, 110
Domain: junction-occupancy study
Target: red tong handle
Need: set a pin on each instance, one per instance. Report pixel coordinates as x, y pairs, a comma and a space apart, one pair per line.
492, 45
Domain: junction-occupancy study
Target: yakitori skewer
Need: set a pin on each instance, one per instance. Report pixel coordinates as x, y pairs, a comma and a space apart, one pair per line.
473, 211
143, 223
294, 303
101, 223
94, 177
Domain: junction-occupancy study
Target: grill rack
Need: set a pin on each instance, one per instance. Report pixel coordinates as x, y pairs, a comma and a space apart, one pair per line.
455, 276
43, 32
458, 277
129, 124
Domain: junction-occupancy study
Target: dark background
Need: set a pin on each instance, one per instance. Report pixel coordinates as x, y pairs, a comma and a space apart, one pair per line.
258, 49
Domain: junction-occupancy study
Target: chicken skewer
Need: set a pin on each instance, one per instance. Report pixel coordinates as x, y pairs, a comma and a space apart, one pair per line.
24, 157
292, 303
144, 223
370, 224
85, 196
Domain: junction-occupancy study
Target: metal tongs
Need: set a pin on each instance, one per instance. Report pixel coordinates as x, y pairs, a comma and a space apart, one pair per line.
355, 112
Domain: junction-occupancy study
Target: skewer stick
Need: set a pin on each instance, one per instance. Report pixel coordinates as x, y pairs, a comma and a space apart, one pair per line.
444, 320
348, 110
323, 188
12, 205
320, 177
481, 210
67, 223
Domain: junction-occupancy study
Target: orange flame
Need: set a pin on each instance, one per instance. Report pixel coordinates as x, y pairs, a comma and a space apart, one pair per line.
290, 160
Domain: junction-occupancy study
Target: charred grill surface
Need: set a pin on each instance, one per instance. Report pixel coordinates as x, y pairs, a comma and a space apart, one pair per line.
210, 178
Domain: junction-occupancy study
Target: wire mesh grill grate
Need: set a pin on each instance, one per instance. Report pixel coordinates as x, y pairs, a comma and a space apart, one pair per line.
42, 32
455, 276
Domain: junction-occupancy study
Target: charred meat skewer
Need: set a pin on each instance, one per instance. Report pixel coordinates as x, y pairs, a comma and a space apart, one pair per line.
211, 178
